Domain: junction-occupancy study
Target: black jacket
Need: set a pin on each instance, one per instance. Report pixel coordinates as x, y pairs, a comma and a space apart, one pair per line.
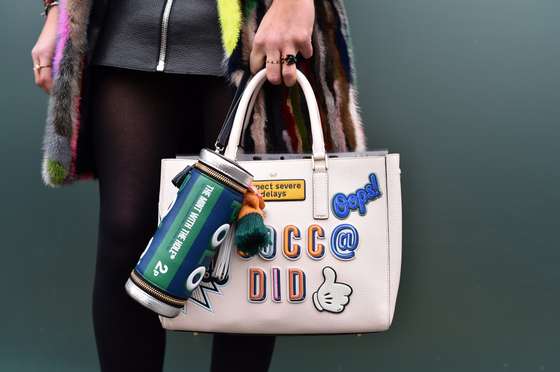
130, 33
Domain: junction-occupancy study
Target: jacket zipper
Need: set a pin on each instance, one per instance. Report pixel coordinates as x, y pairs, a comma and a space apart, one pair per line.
163, 36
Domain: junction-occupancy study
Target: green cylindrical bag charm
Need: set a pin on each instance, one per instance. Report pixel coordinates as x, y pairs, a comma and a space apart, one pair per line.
187, 238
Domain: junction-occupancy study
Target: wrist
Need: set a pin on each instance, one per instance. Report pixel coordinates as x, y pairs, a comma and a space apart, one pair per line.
48, 5
51, 19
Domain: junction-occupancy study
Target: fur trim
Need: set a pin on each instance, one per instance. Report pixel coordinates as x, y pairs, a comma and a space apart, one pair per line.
229, 15
62, 126
360, 140
259, 125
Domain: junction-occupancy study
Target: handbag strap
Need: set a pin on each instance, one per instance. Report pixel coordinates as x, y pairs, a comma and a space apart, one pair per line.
225, 131
247, 102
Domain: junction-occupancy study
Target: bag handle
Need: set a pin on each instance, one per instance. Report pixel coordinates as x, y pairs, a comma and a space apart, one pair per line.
246, 104
319, 156
221, 141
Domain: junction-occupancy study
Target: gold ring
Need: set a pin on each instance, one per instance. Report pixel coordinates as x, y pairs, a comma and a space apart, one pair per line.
269, 61
39, 67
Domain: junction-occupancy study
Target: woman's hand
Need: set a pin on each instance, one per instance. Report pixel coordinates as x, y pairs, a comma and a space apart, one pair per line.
43, 51
286, 28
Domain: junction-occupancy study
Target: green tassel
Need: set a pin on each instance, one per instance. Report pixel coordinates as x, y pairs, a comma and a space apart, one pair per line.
251, 234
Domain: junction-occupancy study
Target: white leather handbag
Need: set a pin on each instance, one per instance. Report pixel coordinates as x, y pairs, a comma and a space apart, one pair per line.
333, 264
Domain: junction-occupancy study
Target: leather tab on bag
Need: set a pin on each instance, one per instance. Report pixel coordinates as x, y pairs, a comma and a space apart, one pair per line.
320, 194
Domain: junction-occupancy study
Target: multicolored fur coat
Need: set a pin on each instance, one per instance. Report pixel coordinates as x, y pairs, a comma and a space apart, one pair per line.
279, 122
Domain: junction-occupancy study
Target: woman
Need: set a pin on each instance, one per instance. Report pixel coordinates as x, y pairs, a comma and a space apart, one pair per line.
132, 82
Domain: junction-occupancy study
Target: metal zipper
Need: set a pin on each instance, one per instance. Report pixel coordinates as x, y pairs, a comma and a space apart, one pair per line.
156, 293
163, 36
220, 177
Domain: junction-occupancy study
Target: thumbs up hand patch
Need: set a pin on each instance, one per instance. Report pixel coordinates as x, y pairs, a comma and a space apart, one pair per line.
331, 296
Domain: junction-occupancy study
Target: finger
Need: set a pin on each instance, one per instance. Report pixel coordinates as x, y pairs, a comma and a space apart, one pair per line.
43, 74
306, 48
329, 274
35, 71
46, 78
289, 71
273, 70
257, 59
49, 86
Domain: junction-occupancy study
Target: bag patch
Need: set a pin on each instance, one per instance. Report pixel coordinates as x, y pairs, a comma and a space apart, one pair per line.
342, 204
281, 190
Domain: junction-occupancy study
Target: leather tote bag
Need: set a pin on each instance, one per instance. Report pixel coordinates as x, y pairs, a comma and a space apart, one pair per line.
334, 258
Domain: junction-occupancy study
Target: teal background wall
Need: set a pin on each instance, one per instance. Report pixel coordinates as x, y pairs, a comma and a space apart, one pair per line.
467, 91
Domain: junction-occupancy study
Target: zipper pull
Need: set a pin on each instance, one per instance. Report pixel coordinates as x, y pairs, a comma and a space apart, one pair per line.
177, 181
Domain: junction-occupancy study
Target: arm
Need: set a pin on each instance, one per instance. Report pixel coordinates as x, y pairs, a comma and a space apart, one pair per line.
43, 51
286, 28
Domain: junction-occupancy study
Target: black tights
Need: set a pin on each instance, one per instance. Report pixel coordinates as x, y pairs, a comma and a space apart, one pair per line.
138, 118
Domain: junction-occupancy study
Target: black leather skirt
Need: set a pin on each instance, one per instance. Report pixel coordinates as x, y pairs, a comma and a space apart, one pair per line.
176, 36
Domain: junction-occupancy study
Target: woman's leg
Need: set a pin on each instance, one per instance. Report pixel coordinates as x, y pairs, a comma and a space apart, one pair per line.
136, 121
248, 353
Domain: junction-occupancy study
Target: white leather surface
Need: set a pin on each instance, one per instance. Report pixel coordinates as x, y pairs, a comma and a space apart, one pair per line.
373, 274
320, 194
395, 226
